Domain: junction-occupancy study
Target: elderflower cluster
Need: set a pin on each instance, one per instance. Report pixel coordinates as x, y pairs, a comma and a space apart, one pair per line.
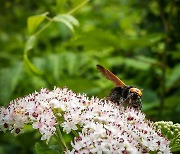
33, 109
103, 127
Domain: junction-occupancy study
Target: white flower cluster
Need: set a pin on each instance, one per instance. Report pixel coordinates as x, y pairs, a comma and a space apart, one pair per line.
33, 109
103, 126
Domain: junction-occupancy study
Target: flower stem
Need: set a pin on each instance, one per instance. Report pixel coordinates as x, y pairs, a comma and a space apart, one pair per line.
74, 132
61, 137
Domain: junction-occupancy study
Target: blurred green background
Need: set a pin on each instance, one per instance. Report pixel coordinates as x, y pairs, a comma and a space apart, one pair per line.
139, 41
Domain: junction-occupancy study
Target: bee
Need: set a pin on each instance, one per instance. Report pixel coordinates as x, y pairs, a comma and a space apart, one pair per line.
122, 94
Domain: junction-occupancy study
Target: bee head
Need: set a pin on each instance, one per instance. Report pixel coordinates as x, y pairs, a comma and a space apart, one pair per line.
136, 92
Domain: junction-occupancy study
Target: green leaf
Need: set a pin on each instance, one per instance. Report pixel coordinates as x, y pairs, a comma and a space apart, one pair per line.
9, 82
30, 67
148, 60
68, 20
30, 43
34, 21
129, 43
173, 76
29, 46
42, 148
128, 62
136, 64
150, 99
16, 76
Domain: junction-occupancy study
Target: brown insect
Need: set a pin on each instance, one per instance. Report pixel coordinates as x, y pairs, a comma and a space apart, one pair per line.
121, 93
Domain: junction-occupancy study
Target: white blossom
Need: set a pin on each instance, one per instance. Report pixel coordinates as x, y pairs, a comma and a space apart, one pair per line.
104, 126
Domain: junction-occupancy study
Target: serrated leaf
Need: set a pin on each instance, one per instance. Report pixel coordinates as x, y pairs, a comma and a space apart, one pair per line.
34, 21
68, 20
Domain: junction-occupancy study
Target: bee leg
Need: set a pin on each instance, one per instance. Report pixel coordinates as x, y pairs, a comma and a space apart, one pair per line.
137, 105
125, 102
128, 100
140, 105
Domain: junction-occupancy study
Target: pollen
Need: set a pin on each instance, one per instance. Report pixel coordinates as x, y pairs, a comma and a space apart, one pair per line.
18, 111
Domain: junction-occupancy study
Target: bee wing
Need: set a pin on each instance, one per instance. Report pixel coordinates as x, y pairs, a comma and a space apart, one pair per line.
110, 76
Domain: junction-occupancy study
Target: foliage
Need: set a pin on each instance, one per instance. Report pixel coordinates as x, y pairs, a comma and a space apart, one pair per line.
137, 40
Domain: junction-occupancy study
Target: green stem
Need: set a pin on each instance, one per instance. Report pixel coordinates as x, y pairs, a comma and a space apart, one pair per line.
74, 132
61, 137
70, 12
57, 138
43, 28
78, 7
165, 25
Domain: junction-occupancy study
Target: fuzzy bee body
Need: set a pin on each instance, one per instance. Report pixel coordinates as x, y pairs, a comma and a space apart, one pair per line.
122, 94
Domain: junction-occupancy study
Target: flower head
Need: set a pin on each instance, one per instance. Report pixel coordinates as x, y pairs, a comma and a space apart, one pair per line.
105, 127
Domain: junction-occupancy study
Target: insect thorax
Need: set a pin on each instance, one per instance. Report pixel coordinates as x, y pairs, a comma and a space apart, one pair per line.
119, 94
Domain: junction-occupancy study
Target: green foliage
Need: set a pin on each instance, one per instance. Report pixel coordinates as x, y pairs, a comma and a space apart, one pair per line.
137, 40
29, 46
68, 20
34, 21
42, 148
